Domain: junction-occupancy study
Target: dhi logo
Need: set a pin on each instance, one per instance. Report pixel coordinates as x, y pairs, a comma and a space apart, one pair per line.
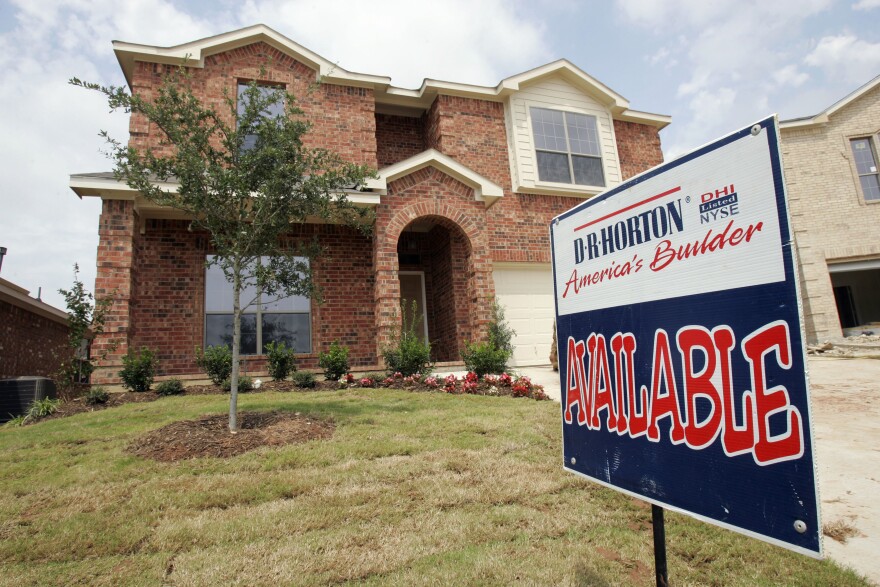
720, 203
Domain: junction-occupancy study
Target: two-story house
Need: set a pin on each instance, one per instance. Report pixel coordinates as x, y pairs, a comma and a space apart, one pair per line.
469, 178
831, 171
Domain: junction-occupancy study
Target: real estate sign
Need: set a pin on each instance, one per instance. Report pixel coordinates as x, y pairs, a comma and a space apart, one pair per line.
680, 342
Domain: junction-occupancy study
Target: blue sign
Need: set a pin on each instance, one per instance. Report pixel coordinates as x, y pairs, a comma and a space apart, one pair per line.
680, 342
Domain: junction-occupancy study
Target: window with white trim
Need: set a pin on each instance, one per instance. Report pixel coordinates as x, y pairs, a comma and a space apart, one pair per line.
866, 167
276, 110
287, 320
567, 147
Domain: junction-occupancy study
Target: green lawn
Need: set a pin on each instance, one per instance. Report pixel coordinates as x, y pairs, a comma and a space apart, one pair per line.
413, 489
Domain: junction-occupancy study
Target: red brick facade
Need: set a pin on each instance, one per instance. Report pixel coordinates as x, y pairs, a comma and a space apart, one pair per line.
426, 221
30, 344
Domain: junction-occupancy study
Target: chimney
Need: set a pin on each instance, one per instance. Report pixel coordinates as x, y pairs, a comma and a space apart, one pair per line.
2, 254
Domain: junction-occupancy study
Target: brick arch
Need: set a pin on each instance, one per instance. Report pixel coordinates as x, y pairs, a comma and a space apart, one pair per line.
451, 205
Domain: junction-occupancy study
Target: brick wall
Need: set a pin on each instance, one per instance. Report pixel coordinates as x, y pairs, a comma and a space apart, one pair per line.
30, 344
342, 118
398, 138
638, 147
829, 216
167, 311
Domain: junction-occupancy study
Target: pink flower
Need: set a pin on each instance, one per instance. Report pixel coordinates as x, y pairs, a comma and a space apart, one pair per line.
470, 387
388, 381
471, 377
349, 378
367, 382
398, 375
505, 379
432, 382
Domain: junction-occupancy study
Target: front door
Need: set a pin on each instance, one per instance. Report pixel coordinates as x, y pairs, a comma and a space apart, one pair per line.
412, 293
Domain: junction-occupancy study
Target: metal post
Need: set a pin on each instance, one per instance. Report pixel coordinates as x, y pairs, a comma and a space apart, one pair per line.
659, 546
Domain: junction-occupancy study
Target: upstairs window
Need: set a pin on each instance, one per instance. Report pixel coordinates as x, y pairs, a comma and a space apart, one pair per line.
866, 167
274, 111
287, 320
567, 147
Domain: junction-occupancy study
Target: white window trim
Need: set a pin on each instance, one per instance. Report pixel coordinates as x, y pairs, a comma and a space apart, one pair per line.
563, 189
255, 310
874, 142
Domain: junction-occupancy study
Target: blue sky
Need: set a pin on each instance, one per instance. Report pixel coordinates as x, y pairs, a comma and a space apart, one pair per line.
713, 66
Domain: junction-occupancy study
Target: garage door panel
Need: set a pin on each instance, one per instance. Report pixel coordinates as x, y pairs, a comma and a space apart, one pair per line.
526, 293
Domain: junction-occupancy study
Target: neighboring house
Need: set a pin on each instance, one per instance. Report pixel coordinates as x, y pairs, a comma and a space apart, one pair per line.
469, 180
831, 172
33, 334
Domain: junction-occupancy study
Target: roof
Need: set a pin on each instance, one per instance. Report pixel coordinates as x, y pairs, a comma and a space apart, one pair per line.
824, 116
193, 54
20, 297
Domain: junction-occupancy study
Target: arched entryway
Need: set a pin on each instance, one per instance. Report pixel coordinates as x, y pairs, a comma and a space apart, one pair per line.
435, 270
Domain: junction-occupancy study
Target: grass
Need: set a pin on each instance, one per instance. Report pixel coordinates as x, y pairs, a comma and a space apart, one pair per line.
413, 489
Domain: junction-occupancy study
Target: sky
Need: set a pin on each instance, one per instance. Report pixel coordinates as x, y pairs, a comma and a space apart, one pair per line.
713, 65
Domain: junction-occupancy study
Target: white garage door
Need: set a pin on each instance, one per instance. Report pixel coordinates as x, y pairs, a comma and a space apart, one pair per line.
526, 292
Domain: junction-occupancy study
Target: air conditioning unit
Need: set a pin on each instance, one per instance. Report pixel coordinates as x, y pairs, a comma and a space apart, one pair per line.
17, 395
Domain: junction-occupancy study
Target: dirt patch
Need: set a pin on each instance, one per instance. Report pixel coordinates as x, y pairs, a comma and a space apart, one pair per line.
210, 437
840, 531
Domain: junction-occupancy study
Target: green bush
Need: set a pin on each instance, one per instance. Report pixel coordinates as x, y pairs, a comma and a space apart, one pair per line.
19, 420
334, 362
245, 384
216, 362
408, 354
282, 360
491, 356
138, 370
170, 387
97, 395
42, 408
304, 379
484, 357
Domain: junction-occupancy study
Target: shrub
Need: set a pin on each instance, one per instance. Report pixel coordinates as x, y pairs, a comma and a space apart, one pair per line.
304, 379
216, 362
245, 384
408, 354
42, 408
484, 357
491, 356
97, 395
282, 361
138, 370
334, 362
170, 387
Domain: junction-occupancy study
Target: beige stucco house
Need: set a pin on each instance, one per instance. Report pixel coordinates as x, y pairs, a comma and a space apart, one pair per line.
831, 170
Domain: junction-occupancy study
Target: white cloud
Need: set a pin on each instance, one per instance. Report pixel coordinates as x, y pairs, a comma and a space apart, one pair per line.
453, 40
866, 5
846, 56
790, 76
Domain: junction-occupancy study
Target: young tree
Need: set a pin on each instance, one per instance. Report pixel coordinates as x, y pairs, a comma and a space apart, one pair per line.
85, 320
245, 177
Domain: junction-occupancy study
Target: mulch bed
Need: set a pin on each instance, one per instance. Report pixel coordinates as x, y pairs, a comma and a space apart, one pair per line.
209, 436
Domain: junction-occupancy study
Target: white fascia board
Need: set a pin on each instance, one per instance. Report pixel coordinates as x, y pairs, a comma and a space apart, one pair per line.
112, 189
567, 69
193, 54
485, 190
823, 116
660, 121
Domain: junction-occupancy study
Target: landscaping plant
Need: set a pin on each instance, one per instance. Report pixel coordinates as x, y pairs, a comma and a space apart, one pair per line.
282, 360
170, 387
97, 395
304, 379
216, 362
138, 369
408, 354
334, 362
245, 384
85, 320
491, 356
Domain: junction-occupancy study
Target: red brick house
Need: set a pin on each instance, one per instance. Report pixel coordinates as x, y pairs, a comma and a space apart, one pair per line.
469, 179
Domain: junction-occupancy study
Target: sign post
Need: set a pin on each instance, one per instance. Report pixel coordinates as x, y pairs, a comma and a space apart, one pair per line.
680, 343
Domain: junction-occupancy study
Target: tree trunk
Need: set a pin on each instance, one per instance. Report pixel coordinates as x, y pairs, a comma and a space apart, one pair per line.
236, 345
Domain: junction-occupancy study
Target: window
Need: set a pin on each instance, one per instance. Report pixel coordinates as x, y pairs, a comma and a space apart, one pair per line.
269, 320
274, 111
567, 147
866, 167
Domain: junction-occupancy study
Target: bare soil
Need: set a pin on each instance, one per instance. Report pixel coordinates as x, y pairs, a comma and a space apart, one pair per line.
209, 436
